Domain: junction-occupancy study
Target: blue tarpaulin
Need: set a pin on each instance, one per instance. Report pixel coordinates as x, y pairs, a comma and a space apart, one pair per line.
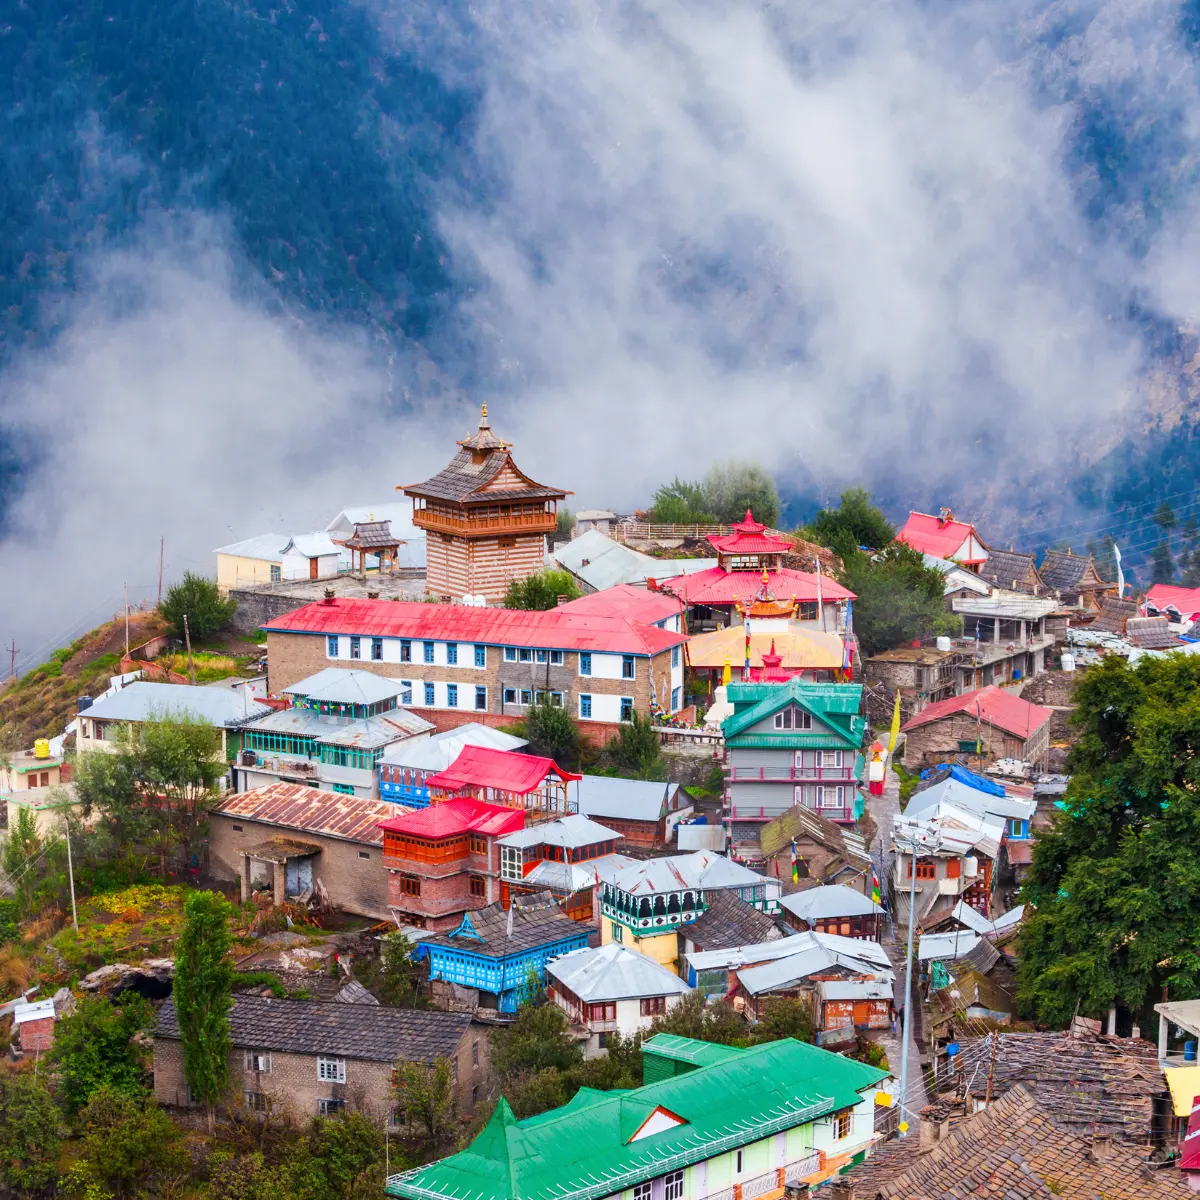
938, 773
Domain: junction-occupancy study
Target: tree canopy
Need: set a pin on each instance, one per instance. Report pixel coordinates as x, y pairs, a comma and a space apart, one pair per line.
681, 503
553, 733
726, 492
94, 1048
899, 599
854, 523
197, 598
1116, 881
541, 591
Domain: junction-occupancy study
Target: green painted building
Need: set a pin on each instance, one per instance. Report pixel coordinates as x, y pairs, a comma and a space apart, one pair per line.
792, 743
710, 1123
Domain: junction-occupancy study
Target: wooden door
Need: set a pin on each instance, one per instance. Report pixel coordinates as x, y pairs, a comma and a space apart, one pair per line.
313, 566
862, 1013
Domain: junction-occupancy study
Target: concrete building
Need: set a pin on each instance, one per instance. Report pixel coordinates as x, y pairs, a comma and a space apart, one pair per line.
273, 557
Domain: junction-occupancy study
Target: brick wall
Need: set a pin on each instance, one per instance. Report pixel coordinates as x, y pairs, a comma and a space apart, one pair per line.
354, 884
293, 1085
37, 1036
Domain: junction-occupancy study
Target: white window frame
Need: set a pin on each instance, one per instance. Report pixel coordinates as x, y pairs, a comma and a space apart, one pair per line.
512, 862
255, 1101
556, 658
826, 755
510, 654
328, 1106
257, 1060
331, 1069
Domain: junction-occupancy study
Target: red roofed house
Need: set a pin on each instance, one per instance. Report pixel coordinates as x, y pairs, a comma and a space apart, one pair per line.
1007, 726
1181, 605
944, 537
485, 520
523, 781
749, 569
633, 602
443, 861
458, 663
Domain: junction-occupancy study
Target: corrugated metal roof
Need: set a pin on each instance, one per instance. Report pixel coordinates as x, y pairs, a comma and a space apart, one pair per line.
266, 546
144, 701
553, 630
628, 600
938, 536
719, 586
308, 810
855, 989
453, 817
829, 900
312, 545
994, 705
614, 972
961, 795
957, 944
571, 832
341, 686
364, 733
604, 564
1185, 601
822, 952
621, 799
438, 751
481, 766
800, 646
702, 869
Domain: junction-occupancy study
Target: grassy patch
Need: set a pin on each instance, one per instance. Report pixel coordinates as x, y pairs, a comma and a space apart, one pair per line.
908, 782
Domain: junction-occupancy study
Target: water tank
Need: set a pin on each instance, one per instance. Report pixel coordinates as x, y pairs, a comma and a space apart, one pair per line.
1068, 662
41, 748
943, 643
970, 866
83, 703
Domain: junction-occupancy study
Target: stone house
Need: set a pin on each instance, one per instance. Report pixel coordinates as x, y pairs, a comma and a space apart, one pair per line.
289, 839
990, 723
922, 674
825, 851
312, 1058
458, 663
1074, 580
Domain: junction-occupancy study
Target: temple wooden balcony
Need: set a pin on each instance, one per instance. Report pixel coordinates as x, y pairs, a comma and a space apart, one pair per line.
485, 526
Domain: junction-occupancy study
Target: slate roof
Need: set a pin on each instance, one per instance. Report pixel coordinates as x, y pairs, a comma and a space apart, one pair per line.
1113, 615
363, 1031
800, 822
1151, 633
731, 921
309, 810
1010, 569
536, 921
1067, 572
370, 535
585, 1149
463, 477
1012, 1149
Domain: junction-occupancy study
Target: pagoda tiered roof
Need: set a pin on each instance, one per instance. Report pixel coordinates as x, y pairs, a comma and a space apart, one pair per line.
750, 537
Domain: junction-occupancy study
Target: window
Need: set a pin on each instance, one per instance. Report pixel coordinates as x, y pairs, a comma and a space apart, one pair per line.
925, 869
344, 789
398, 1116
405, 650
452, 695
474, 1054
429, 699
602, 1012
626, 708
410, 885
429, 652
626, 666
377, 649
238, 829
356, 647
364, 854
642, 1191
674, 656
555, 699
556, 658
585, 707
676, 696
257, 1060
510, 654
481, 656
331, 1070
585, 663
673, 1186
618, 932
478, 844
475, 1094
1016, 828
510, 695
524, 654
255, 1101
830, 758
652, 1006
511, 863
478, 886
841, 1124
406, 691
481, 699
276, 572
526, 696
452, 653
327, 1108
541, 656
793, 718
738, 1167
331, 646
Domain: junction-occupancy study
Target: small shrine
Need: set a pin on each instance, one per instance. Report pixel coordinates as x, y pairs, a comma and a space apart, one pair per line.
373, 538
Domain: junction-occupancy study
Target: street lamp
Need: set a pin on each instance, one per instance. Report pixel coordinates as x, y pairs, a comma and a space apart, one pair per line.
930, 840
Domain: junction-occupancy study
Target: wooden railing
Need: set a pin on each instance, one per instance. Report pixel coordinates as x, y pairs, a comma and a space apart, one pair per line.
524, 523
838, 775
633, 531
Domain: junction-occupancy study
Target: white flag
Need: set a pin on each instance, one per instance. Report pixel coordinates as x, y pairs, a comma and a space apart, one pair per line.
1120, 573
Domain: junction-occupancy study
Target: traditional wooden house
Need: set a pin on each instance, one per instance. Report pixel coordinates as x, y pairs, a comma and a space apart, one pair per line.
944, 537
406, 766
494, 957
1074, 580
794, 743
987, 724
748, 560
814, 849
536, 785
1012, 571
443, 861
644, 812
832, 908
709, 1121
485, 520
727, 921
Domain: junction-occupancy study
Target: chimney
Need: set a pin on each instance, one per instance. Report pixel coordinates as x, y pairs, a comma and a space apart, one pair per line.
372, 595
842, 1189
1102, 1147
329, 595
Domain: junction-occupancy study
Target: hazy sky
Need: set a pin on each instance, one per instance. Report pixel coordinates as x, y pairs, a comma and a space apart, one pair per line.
854, 240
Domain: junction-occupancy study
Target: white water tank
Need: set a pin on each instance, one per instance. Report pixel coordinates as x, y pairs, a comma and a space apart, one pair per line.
970, 866
1068, 662
943, 644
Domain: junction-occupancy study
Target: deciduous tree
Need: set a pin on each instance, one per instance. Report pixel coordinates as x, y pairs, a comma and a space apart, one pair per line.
856, 522
197, 598
128, 1144
31, 1134
898, 598
636, 750
541, 591
537, 1039
425, 1095
681, 503
732, 487
94, 1048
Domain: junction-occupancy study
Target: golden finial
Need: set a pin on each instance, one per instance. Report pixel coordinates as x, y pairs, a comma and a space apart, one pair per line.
483, 415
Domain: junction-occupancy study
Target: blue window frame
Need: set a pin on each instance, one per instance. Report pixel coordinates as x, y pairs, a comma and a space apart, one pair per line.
406, 691
585, 706
585, 662
481, 656
674, 656
627, 667
452, 653
429, 693
356, 647
331, 645
675, 697
556, 658
377, 649
452, 695
626, 708
481, 699
429, 652
405, 650
510, 654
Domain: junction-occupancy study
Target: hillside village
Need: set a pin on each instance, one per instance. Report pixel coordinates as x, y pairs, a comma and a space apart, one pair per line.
472, 846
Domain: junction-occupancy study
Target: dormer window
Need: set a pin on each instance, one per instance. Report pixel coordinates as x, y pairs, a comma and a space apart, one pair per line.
793, 718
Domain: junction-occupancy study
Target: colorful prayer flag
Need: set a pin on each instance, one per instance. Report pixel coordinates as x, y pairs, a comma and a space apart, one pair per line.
876, 893
795, 864
895, 725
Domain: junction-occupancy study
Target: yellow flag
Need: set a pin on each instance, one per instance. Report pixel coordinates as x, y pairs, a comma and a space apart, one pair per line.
726, 674
895, 725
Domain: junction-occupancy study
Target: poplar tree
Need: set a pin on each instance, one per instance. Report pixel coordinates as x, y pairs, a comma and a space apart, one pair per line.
203, 979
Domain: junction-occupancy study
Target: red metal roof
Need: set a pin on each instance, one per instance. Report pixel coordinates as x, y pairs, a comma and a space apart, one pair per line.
750, 537
481, 766
719, 586
943, 538
554, 630
452, 817
629, 601
994, 705
1185, 601
1020, 853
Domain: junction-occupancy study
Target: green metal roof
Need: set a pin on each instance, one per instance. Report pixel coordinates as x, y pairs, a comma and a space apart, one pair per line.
689, 1050
835, 705
582, 1151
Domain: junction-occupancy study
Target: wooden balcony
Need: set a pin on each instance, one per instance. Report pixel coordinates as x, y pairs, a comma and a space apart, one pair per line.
524, 523
840, 775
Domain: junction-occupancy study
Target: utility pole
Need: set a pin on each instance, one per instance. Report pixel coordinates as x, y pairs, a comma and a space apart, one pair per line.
187, 637
71, 872
162, 542
12, 660
127, 620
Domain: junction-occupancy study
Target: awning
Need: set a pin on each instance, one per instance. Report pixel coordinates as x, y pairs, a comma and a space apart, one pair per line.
279, 850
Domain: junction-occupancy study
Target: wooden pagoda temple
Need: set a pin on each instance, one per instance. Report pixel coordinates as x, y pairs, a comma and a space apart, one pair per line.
485, 520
